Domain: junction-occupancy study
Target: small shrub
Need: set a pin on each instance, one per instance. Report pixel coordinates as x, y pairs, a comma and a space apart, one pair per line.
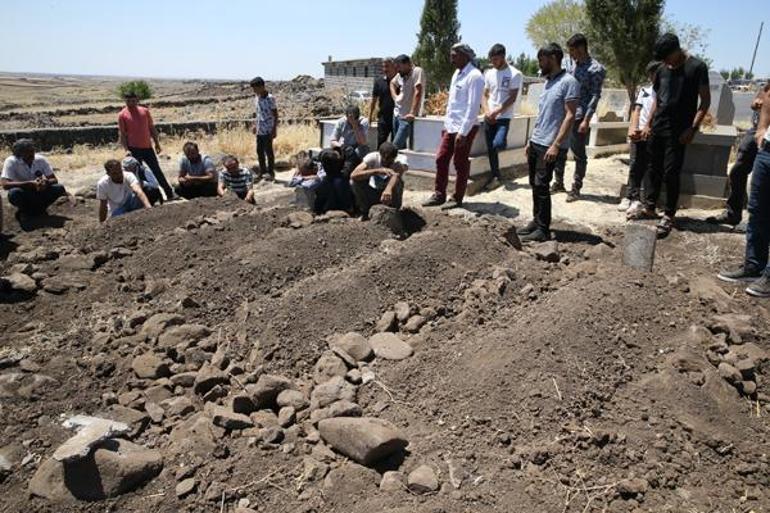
139, 87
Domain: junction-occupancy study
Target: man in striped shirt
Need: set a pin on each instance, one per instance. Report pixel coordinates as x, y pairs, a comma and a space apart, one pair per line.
236, 180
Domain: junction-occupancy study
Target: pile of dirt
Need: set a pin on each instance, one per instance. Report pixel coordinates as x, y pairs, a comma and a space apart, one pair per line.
262, 359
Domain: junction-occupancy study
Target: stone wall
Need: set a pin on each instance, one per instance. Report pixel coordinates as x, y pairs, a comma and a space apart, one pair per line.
349, 84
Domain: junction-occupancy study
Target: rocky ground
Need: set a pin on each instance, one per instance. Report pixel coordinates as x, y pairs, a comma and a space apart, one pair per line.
23, 106
230, 358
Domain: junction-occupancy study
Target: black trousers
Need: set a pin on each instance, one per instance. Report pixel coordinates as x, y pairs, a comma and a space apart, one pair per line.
197, 190
153, 195
666, 160
265, 154
366, 196
638, 170
384, 130
540, 175
147, 156
739, 175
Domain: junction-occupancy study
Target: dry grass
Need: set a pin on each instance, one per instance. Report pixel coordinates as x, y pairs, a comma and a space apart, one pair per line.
238, 141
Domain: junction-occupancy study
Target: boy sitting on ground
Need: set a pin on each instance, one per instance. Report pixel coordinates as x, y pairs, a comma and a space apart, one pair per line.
306, 180
378, 180
236, 180
119, 192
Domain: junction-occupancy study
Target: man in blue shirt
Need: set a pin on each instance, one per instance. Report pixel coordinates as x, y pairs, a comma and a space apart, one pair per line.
550, 138
590, 75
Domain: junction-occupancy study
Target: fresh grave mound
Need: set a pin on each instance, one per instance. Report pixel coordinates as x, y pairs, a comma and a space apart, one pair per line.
261, 359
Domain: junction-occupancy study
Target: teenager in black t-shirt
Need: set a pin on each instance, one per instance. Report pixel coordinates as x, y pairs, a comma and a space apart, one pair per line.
678, 114
382, 98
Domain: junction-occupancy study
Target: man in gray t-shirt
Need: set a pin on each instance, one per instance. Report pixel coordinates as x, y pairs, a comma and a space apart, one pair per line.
350, 138
550, 138
197, 174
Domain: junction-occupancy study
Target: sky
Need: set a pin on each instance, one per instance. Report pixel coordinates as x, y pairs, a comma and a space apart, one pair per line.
238, 39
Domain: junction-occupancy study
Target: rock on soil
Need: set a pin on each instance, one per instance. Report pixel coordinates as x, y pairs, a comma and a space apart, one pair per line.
149, 366
267, 388
548, 251
393, 481
355, 345
328, 366
351, 480
390, 346
115, 468
336, 389
186, 487
364, 440
422, 480
93, 431
18, 282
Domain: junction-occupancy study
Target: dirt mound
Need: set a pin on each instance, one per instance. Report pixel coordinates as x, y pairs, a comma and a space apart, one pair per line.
272, 361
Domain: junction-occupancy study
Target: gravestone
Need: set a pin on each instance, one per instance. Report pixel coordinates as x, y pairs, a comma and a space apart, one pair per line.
614, 105
639, 246
722, 107
532, 99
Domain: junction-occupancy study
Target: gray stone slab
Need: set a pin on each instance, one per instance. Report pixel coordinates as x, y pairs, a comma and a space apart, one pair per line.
639, 246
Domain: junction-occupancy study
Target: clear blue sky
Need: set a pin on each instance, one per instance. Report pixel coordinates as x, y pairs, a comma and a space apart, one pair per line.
280, 39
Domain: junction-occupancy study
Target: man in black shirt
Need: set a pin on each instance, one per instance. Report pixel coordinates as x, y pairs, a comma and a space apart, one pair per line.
679, 84
381, 97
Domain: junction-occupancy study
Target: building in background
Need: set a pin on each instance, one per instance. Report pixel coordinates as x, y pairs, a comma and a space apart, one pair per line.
352, 75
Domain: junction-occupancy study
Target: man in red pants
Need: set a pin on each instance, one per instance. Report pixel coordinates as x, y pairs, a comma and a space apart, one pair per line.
465, 93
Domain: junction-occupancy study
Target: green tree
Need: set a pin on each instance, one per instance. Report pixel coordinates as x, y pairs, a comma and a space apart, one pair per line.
725, 74
439, 31
737, 73
139, 87
526, 64
624, 34
556, 22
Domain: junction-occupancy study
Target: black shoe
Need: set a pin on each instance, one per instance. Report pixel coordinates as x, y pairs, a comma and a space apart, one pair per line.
531, 227
760, 287
573, 195
538, 235
452, 204
739, 276
557, 187
664, 227
723, 218
434, 201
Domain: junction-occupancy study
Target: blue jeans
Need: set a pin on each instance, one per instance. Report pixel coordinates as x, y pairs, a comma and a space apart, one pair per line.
758, 229
131, 204
35, 202
402, 130
497, 140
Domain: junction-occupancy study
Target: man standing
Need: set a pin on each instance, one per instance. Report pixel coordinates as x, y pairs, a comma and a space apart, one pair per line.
679, 84
502, 84
265, 127
590, 75
739, 173
137, 132
197, 174
378, 180
350, 138
550, 138
755, 268
460, 128
119, 192
31, 183
382, 99
408, 91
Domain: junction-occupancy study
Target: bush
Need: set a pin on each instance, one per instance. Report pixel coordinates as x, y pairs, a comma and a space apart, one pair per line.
139, 87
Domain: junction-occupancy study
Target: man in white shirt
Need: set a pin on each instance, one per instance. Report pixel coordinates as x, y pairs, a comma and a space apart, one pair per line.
408, 91
31, 183
460, 128
502, 84
119, 192
378, 179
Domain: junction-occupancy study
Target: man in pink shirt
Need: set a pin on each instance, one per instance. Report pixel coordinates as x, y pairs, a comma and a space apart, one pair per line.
137, 133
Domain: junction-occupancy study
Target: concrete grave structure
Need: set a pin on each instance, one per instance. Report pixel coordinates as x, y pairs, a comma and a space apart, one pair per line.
352, 75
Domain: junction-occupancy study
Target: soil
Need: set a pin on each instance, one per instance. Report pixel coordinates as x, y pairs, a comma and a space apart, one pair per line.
577, 385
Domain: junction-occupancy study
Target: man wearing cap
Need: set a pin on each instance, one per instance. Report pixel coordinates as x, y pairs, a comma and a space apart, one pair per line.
146, 178
550, 138
755, 269
137, 133
460, 127
31, 183
679, 84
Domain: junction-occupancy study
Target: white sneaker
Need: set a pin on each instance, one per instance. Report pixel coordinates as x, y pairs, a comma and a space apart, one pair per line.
634, 209
624, 205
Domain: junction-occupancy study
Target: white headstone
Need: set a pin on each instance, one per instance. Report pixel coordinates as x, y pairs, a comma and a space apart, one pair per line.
722, 106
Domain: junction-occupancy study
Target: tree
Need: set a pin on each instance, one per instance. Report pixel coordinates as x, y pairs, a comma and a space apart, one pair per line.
624, 34
725, 74
737, 73
526, 64
556, 22
139, 87
439, 31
